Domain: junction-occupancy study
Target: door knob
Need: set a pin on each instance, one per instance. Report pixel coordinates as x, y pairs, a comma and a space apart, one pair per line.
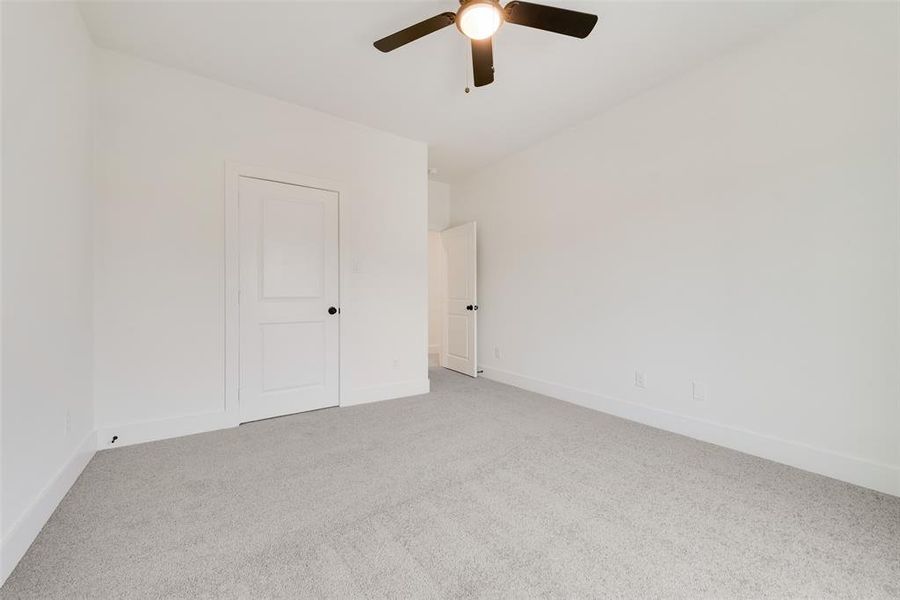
332, 310
472, 307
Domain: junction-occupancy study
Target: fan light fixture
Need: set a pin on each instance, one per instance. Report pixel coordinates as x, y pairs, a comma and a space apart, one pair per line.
479, 20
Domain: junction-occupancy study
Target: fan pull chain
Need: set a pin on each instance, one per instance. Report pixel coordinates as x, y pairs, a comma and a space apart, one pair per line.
466, 63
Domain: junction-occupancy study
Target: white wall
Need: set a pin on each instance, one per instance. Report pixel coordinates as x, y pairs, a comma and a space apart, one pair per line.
438, 205
47, 411
163, 139
737, 227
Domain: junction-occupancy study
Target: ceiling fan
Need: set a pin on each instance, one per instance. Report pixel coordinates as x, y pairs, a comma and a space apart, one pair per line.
480, 19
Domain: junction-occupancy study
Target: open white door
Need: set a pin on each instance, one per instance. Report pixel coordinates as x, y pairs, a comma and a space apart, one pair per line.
288, 299
460, 341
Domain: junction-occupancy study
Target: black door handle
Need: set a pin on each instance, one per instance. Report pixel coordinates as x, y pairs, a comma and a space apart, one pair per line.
472, 307
332, 310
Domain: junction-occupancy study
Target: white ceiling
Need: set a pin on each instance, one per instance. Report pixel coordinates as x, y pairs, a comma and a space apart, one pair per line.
320, 55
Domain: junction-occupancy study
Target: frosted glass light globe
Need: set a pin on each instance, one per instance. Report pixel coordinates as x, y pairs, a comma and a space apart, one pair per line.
479, 20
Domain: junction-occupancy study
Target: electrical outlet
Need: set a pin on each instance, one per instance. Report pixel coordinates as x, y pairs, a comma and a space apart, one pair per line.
496, 352
698, 391
396, 363
640, 379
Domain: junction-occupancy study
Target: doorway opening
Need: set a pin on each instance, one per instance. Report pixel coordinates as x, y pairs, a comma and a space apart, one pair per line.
437, 283
452, 299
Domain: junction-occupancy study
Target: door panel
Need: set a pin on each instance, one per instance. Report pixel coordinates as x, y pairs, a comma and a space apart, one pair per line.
289, 279
458, 336
292, 246
292, 355
460, 341
457, 247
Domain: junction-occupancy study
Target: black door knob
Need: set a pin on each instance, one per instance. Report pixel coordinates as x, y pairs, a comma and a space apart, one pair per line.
469, 307
332, 310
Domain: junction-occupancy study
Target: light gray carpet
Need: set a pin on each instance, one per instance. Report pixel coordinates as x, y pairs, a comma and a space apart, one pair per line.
475, 490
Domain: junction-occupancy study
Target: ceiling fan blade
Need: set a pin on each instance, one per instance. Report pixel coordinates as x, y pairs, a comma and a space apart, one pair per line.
411, 34
549, 18
482, 62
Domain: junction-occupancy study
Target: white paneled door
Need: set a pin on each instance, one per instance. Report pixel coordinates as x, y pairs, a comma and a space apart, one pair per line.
460, 342
288, 299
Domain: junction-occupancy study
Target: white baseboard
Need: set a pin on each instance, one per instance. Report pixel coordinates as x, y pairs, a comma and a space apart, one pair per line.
376, 393
877, 476
29, 525
151, 431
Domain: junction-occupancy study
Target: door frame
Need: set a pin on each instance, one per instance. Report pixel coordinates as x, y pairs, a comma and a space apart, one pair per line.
232, 360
